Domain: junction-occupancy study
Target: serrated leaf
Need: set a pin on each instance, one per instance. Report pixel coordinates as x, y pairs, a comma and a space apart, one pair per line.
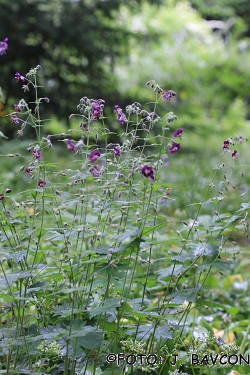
109, 305
91, 340
142, 332
163, 332
103, 249
206, 250
130, 233
222, 265
187, 295
172, 270
183, 257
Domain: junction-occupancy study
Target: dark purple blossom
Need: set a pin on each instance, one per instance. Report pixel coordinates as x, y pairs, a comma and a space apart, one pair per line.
95, 170
17, 108
14, 119
225, 147
177, 133
70, 145
19, 77
174, 148
8, 191
148, 172
168, 94
94, 155
1, 197
41, 183
37, 154
28, 171
117, 151
234, 153
240, 139
84, 126
3, 46
121, 117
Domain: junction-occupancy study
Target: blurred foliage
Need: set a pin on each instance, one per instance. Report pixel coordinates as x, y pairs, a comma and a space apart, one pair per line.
110, 49
75, 42
180, 51
226, 10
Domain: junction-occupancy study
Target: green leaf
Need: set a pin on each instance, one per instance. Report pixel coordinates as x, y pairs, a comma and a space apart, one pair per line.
183, 257
130, 233
91, 340
222, 265
206, 250
109, 305
172, 270
103, 249
147, 230
188, 295
163, 332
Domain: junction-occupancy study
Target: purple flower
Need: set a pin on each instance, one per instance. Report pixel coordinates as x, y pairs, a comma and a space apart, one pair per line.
41, 183
17, 108
234, 153
84, 126
174, 148
1, 197
117, 151
168, 94
3, 46
96, 109
240, 139
95, 170
28, 171
8, 191
121, 117
70, 145
37, 154
178, 133
14, 119
19, 77
94, 155
148, 172
225, 147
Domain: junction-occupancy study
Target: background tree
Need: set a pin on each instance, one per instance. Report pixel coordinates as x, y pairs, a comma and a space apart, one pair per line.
75, 42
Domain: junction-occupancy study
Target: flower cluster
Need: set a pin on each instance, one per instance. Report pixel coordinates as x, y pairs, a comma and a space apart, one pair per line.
121, 117
3, 46
226, 144
96, 109
168, 94
92, 109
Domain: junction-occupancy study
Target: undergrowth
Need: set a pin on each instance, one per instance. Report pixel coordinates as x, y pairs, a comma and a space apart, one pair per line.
101, 271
